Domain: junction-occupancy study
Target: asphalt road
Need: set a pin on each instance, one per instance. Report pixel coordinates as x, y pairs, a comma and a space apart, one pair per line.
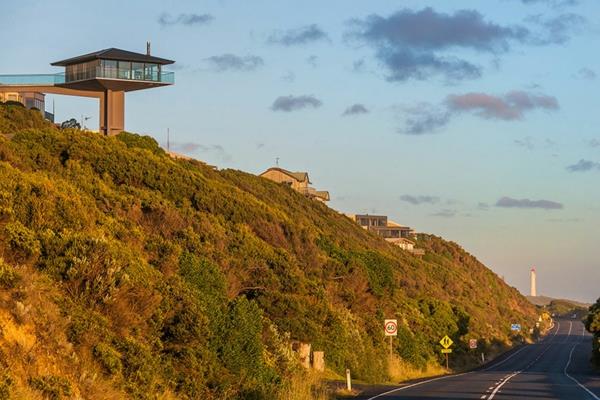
557, 367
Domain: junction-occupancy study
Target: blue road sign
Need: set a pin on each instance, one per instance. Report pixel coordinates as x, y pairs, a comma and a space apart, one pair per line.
515, 327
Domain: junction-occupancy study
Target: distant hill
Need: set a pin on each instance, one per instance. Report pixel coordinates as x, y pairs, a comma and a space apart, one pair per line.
560, 307
126, 273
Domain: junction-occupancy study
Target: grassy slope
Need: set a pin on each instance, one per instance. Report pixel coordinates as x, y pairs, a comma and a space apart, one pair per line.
128, 273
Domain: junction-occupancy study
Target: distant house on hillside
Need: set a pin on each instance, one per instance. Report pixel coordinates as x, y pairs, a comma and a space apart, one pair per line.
299, 181
31, 100
392, 232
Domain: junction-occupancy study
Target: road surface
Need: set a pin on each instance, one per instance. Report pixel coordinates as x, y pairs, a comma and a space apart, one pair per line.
557, 367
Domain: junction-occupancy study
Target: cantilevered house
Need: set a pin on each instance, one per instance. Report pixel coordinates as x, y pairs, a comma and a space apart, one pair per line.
106, 75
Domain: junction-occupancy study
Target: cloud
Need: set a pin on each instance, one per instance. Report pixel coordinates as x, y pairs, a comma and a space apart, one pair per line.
288, 77
445, 213
526, 142
166, 19
420, 199
298, 36
557, 30
294, 103
509, 202
584, 166
593, 142
510, 106
356, 109
191, 147
586, 74
408, 50
552, 3
420, 44
424, 118
313, 61
231, 62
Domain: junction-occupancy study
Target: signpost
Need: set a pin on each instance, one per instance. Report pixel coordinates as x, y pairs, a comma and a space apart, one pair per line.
446, 342
391, 329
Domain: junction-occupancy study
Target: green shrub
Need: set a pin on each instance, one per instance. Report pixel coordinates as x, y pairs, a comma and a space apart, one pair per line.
109, 358
52, 387
6, 383
21, 239
8, 276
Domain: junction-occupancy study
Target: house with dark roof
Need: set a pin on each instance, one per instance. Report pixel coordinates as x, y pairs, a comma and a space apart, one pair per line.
106, 75
299, 181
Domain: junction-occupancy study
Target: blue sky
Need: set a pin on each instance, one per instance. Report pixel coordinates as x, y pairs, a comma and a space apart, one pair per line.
472, 111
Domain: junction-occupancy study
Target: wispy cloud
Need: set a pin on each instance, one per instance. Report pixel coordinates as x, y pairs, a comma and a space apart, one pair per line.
166, 19
531, 143
445, 213
593, 142
583, 166
298, 36
426, 118
586, 74
420, 199
355, 109
313, 61
295, 103
191, 148
509, 202
552, 3
231, 62
511, 106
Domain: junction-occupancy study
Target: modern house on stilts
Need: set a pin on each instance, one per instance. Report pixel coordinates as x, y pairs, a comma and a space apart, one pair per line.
105, 75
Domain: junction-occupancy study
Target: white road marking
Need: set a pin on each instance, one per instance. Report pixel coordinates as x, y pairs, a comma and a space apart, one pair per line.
502, 384
569, 363
463, 374
417, 384
509, 377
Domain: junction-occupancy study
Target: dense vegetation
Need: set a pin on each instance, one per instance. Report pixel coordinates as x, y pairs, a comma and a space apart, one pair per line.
593, 325
128, 274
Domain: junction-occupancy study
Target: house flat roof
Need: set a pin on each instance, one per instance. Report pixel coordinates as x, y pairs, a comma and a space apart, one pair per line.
113, 54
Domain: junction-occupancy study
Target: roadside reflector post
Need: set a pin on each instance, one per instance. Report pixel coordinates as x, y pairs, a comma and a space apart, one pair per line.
482, 358
348, 381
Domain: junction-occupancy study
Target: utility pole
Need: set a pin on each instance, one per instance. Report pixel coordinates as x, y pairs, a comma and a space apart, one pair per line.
168, 141
277, 161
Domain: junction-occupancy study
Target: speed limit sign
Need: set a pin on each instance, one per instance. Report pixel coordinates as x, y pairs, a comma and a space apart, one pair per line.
391, 327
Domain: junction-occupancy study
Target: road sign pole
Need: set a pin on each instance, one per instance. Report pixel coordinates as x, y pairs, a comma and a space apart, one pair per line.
391, 348
447, 367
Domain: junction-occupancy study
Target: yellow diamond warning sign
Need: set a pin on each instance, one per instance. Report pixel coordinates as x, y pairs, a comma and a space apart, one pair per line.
446, 342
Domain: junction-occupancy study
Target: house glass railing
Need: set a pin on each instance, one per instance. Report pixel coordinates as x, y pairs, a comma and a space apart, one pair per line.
32, 79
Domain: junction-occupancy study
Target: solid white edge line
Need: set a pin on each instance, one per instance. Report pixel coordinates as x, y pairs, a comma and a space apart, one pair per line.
418, 384
502, 384
573, 379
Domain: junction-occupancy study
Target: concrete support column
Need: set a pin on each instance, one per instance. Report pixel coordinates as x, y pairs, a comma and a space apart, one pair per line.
112, 112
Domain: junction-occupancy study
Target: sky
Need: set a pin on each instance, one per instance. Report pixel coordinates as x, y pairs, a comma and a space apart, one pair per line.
475, 121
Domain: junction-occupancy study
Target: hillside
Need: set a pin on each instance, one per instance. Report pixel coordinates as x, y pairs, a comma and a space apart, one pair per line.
128, 274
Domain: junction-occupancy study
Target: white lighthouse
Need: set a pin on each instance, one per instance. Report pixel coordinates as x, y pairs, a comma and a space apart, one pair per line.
533, 283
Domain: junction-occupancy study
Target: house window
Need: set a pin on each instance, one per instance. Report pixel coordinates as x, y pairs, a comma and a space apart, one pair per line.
124, 71
137, 71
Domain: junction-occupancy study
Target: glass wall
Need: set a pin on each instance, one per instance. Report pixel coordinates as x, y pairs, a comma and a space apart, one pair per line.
112, 69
